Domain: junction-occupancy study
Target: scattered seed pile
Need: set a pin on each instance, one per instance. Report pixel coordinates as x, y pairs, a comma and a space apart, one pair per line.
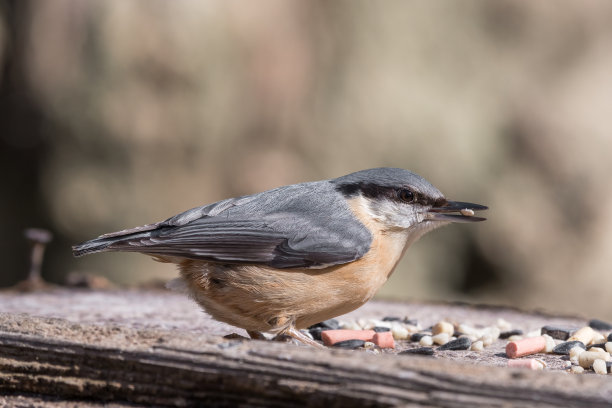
576, 349
480, 334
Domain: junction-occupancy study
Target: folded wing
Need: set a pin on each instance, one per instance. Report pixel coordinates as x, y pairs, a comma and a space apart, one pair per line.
222, 232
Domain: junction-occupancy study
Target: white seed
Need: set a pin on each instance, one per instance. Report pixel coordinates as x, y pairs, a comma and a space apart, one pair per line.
426, 341
585, 335
467, 212
515, 337
609, 347
487, 340
399, 332
534, 333
493, 331
577, 370
412, 328
575, 352
349, 325
369, 345
550, 343
388, 325
478, 333
396, 325
443, 327
465, 329
598, 338
477, 346
441, 338
503, 325
599, 366
587, 358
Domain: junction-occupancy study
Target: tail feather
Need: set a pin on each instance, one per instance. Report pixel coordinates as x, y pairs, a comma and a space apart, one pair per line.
91, 247
105, 242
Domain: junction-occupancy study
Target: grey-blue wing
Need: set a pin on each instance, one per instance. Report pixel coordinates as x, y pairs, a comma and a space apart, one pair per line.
250, 242
293, 227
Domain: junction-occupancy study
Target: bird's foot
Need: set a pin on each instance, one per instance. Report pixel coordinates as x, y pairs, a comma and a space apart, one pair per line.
292, 332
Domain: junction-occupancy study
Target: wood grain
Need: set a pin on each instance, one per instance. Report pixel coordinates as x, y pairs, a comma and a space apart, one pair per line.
85, 363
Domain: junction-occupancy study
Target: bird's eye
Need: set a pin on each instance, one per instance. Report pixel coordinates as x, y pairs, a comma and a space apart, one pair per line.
406, 195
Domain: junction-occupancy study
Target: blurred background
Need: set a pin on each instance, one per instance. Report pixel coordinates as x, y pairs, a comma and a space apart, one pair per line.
120, 113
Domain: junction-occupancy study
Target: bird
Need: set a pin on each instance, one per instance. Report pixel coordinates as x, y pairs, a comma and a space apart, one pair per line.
284, 259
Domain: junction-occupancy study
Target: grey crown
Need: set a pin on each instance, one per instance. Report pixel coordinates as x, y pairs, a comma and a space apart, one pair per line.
297, 226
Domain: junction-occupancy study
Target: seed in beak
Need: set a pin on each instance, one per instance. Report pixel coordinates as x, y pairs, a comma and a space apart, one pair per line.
467, 212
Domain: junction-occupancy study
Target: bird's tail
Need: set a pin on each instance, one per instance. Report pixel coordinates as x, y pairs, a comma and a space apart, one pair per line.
114, 241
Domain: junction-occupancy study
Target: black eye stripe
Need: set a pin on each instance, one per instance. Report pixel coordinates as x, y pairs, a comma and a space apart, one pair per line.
376, 191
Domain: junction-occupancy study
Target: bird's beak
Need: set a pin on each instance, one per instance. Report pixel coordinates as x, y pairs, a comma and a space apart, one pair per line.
465, 212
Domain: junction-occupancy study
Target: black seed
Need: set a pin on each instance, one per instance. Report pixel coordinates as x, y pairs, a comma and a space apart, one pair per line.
599, 324
418, 336
610, 337
609, 366
564, 348
426, 351
316, 329
412, 322
315, 332
349, 344
331, 324
509, 333
598, 345
462, 343
379, 329
391, 319
561, 333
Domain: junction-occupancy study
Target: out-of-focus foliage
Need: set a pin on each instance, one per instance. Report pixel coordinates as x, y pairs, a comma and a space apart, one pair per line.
150, 108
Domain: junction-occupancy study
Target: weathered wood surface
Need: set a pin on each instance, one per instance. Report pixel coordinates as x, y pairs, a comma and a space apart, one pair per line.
165, 352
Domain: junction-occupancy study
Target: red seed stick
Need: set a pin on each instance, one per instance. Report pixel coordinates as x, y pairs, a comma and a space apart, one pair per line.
524, 347
331, 337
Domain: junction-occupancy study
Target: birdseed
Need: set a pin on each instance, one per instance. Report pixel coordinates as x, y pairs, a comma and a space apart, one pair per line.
477, 346
426, 341
600, 325
599, 366
462, 343
565, 347
349, 344
447, 335
510, 333
425, 351
560, 333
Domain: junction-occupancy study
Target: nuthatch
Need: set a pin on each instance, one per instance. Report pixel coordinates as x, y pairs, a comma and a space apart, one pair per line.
290, 257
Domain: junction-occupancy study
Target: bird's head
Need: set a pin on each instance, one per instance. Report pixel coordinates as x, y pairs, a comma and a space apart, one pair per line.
400, 200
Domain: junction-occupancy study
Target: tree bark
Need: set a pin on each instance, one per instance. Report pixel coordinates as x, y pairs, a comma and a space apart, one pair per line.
49, 360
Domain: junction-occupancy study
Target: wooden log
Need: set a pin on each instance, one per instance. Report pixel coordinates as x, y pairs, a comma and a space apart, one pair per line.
55, 357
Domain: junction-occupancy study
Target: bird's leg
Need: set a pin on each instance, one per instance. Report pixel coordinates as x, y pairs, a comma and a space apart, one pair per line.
301, 337
255, 335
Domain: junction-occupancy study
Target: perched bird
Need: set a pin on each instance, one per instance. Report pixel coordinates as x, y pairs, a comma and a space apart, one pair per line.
290, 257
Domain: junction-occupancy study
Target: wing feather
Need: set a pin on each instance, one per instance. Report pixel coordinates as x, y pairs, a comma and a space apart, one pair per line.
271, 228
